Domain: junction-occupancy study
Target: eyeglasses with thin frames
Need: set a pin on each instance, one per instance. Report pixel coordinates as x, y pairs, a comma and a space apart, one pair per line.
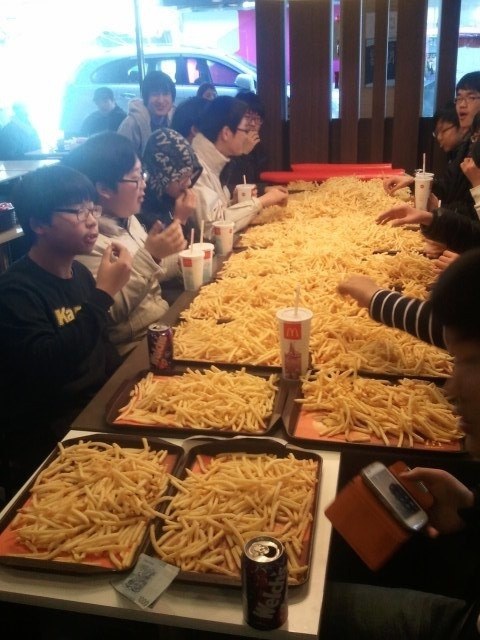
436, 134
136, 181
243, 130
82, 213
466, 99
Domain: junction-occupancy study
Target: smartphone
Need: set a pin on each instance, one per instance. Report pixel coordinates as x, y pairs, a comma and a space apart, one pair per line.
394, 496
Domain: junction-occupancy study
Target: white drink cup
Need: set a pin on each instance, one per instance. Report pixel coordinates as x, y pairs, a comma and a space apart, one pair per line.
207, 248
192, 268
223, 236
423, 187
294, 334
244, 191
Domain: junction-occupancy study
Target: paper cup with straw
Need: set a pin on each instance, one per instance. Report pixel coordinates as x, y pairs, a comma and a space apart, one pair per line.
294, 336
244, 190
223, 236
207, 248
423, 187
191, 260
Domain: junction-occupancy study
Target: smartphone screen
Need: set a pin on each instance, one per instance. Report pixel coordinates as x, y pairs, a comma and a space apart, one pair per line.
394, 496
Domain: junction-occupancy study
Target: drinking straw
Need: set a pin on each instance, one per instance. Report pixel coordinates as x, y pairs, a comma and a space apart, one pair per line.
191, 240
202, 225
439, 204
244, 179
423, 165
297, 298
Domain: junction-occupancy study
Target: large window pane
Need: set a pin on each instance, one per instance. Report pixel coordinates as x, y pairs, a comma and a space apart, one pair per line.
431, 57
55, 53
44, 41
469, 38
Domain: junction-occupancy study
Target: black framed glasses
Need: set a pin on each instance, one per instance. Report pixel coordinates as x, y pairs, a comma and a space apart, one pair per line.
82, 213
255, 120
466, 99
436, 134
136, 181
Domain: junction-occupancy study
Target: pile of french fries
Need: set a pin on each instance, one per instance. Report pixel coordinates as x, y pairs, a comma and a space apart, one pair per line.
210, 399
231, 499
93, 501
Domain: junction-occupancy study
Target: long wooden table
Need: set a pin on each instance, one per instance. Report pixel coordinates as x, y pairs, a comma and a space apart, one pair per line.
190, 606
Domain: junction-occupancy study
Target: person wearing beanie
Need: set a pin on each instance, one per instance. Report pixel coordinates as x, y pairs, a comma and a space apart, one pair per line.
153, 111
172, 168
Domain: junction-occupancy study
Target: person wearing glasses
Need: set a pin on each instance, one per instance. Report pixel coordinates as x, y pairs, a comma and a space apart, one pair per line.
447, 131
253, 160
55, 353
223, 131
109, 160
453, 188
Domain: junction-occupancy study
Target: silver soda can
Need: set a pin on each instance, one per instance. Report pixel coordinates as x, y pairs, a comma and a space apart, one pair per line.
264, 583
160, 347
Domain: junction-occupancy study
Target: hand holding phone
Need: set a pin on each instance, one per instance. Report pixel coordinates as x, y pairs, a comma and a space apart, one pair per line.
394, 496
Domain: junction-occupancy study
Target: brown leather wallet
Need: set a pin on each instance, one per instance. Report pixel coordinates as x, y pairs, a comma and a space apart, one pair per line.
366, 524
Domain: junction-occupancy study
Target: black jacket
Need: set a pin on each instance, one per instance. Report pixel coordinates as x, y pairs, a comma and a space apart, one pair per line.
453, 188
459, 233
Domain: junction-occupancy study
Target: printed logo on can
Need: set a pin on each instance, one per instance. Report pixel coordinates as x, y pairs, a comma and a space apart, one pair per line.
292, 330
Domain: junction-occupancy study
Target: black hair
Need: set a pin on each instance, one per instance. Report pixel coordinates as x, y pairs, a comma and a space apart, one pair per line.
39, 193
224, 111
470, 81
447, 113
106, 157
204, 87
455, 299
476, 153
157, 82
187, 115
102, 93
252, 101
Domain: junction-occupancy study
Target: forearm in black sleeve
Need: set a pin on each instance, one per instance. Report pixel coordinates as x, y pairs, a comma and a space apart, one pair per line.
458, 232
408, 314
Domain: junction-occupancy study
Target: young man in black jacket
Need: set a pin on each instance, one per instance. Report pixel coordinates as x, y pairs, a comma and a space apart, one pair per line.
54, 349
453, 188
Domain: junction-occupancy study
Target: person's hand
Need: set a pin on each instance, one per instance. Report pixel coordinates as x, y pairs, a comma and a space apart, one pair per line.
277, 187
405, 215
162, 243
394, 183
185, 206
114, 270
434, 249
274, 196
445, 260
252, 138
361, 288
449, 495
432, 202
471, 170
